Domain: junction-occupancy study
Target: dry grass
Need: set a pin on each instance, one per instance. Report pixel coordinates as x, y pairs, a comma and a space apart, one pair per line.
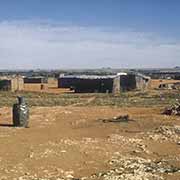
128, 99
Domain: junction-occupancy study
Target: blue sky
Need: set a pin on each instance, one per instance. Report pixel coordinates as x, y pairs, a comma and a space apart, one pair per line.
89, 33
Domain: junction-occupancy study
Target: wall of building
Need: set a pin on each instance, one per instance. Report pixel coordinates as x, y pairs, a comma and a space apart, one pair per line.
5, 85
116, 85
94, 85
52, 82
65, 82
142, 83
12, 84
35, 80
17, 84
127, 82
35, 87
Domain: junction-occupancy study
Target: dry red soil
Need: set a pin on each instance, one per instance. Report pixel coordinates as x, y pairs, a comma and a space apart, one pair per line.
74, 143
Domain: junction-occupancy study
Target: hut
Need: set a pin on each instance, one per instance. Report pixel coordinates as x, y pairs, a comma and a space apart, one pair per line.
35, 80
12, 84
35, 83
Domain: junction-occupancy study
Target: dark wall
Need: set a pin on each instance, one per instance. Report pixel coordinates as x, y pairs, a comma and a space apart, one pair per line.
127, 82
94, 85
35, 80
5, 85
67, 82
177, 77
86, 85
80, 85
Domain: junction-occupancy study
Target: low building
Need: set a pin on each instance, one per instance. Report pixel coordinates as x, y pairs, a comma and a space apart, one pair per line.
11, 83
102, 84
88, 84
35, 80
35, 83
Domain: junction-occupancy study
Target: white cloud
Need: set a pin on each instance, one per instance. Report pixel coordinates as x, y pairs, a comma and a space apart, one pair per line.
36, 45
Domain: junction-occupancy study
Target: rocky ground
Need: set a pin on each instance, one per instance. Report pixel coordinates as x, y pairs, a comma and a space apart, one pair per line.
74, 143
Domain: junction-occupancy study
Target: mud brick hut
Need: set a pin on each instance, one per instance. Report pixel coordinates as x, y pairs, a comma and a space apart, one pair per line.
35, 83
103, 84
11, 84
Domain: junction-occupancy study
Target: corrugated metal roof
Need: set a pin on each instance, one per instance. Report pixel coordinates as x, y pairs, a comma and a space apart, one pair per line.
101, 77
88, 76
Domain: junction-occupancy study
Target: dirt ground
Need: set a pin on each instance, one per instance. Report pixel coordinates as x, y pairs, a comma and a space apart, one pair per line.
75, 143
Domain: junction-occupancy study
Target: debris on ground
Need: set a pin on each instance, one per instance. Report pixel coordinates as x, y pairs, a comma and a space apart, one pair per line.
164, 133
133, 168
173, 109
124, 118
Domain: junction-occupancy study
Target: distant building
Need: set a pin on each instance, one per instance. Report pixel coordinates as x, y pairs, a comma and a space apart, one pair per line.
67, 81
87, 84
35, 83
35, 80
11, 83
5, 85
102, 84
